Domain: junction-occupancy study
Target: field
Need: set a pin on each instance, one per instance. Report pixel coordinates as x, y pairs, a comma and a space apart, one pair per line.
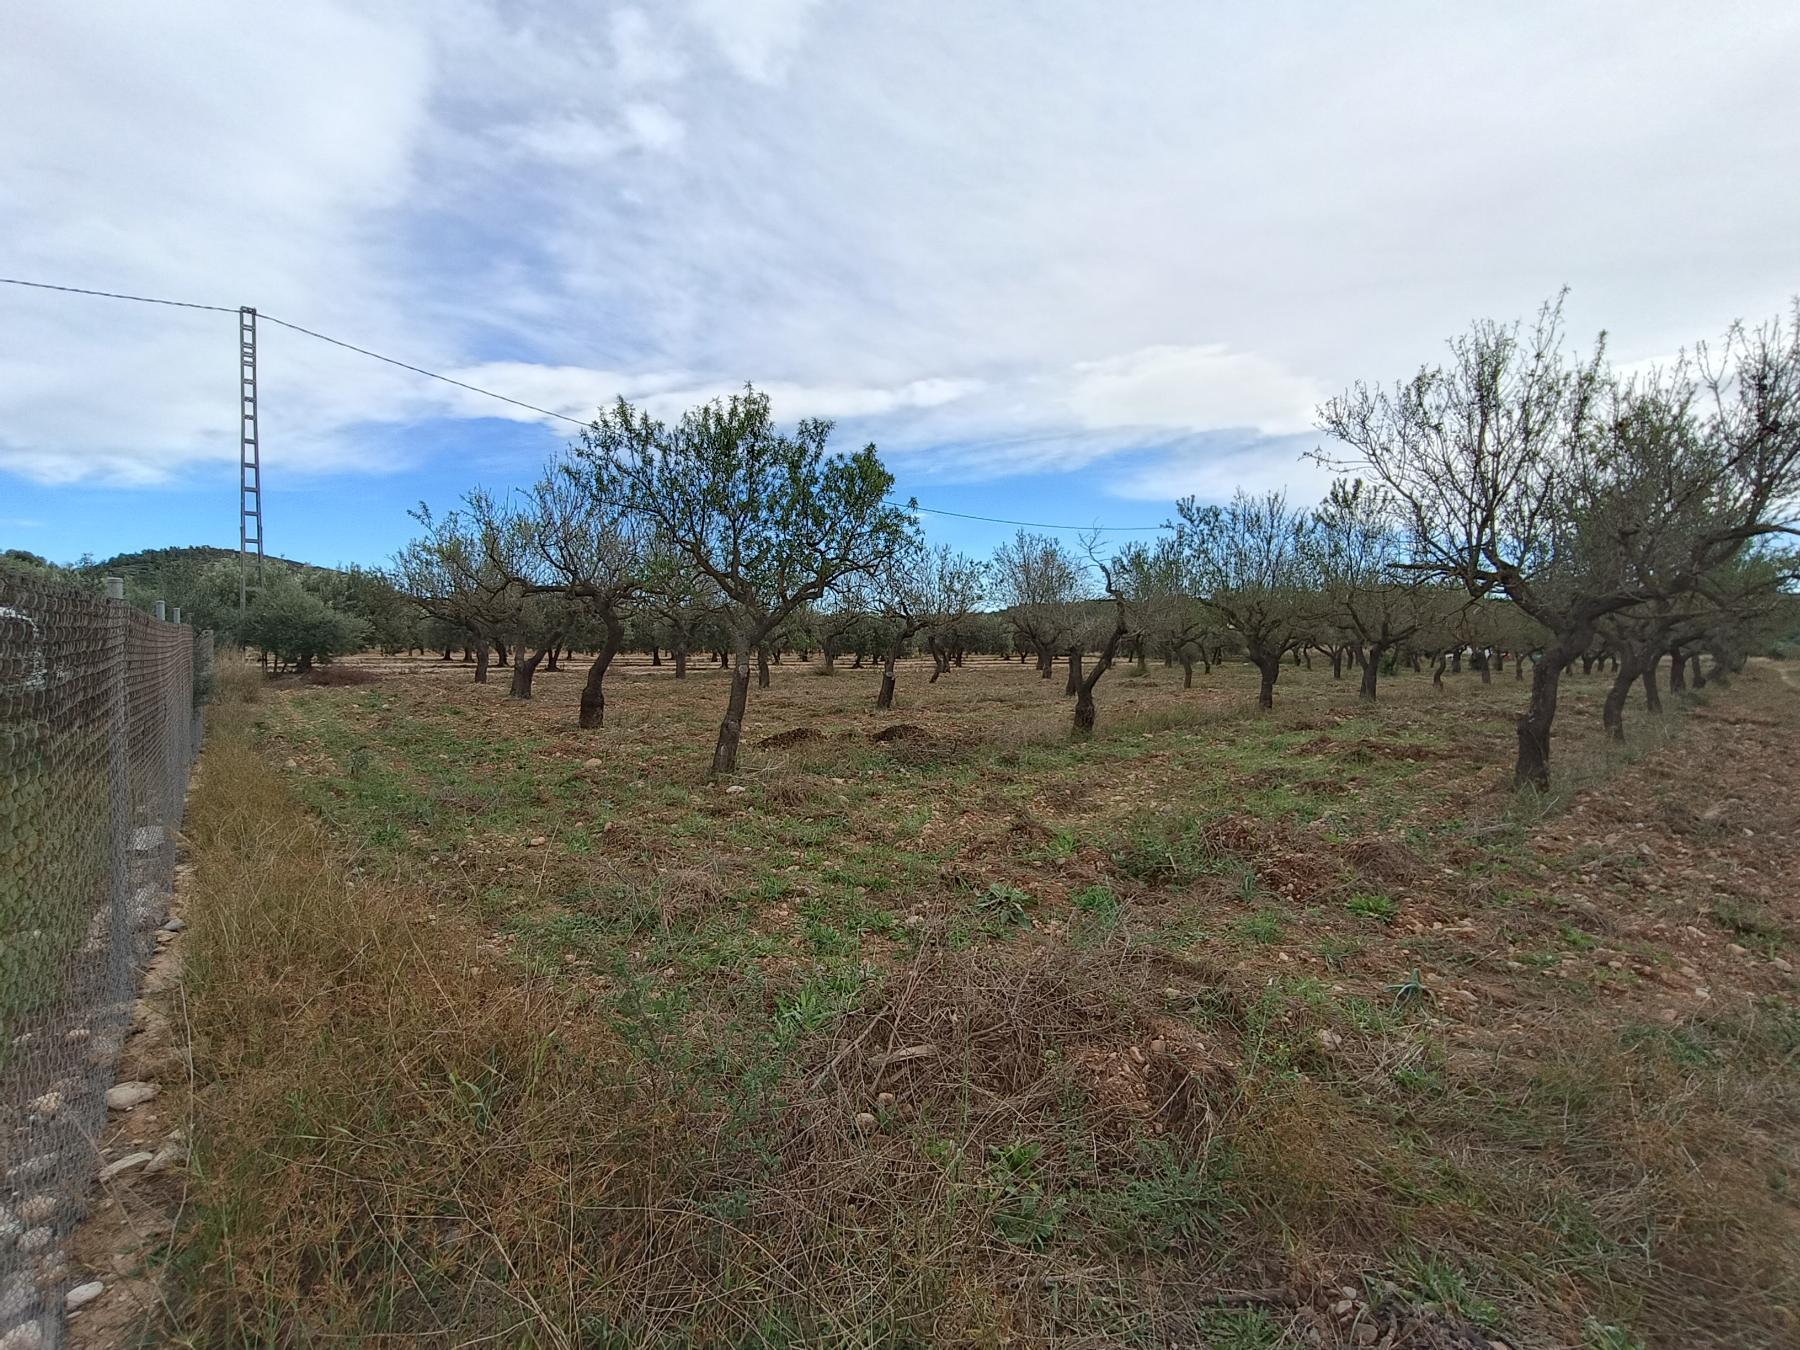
936, 1027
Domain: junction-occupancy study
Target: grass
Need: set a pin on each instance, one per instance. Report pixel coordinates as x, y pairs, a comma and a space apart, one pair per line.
976, 1036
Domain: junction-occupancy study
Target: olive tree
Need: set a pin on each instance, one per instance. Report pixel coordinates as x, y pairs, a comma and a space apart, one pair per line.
773, 520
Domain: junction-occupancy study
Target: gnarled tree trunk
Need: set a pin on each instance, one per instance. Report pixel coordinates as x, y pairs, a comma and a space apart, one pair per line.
593, 692
732, 728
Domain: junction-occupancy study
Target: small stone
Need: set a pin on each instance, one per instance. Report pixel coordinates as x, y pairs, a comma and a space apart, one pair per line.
1330, 1039
175, 925
124, 1096
885, 1100
915, 920
591, 763
291, 764
1158, 1045
1736, 950
1366, 1333
48, 1104
37, 1208
35, 1240
1171, 992
1781, 963
25, 1336
83, 1294
539, 840
734, 789
125, 1164
865, 1121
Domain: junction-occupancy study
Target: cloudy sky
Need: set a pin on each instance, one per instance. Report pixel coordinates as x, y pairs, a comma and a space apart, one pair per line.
1061, 261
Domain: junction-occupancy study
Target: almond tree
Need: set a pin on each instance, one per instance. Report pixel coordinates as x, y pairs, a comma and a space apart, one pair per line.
584, 545
1251, 561
773, 520
1575, 496
1040, 584
919, 591
1360, 553
450, 573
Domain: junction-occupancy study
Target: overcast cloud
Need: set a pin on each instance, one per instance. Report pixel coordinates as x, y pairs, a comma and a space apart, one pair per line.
996, 239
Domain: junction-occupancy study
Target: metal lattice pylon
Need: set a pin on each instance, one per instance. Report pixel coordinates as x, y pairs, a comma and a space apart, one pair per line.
250, 520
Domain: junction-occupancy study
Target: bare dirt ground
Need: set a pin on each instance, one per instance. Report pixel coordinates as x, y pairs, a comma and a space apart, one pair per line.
1217, 1028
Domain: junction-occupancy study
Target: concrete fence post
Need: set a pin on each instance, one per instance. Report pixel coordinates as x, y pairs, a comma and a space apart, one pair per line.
162, 611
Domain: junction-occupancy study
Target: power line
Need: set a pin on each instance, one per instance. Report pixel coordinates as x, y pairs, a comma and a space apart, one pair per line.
115, 295
429, 374
1040, 525
516, 402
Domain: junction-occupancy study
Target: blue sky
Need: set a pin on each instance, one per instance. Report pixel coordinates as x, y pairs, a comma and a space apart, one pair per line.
1062, 262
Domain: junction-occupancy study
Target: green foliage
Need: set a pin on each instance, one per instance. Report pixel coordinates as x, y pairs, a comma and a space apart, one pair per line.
1373, 905
1024, 1213
297, 628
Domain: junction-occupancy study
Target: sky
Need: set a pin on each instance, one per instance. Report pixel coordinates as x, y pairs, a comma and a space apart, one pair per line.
1062, 262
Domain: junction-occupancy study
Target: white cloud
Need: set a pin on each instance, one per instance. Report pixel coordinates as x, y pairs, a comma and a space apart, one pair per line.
758, 37
1192, 388
992, 242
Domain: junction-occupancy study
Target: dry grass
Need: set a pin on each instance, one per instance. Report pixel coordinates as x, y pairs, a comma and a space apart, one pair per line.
973, 1036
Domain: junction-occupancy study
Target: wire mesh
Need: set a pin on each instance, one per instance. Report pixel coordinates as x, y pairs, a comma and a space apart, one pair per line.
98, 727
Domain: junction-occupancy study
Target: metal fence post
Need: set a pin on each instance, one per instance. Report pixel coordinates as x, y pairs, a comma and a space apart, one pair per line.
118, 770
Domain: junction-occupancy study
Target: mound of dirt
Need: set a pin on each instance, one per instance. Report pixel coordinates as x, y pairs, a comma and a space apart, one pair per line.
900, 731
784, 740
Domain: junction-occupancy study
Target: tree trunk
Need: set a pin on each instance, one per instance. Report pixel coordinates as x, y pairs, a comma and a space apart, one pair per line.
1084, 692
1270, 666
1437, 672
1187, 671
1371, 672
593, 692
1046, 661
828, 650
940, 660
885, 699
1677, 671
1337, 663
857, 663
1074, 683
525, 670
655, 656
1532, 769
481, 662
550, 660
1456, 662
1480, 660
725, 752
1652, 697
762, 665
447, 651
681, 655
1143, 658
1612, 711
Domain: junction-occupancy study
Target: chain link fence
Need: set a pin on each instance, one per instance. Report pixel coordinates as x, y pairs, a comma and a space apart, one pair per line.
98, 725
